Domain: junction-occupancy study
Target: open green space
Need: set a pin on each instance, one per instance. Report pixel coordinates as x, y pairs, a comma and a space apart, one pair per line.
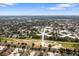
69, 45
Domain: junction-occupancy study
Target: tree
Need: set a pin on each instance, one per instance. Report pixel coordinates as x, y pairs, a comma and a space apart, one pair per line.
33, 44
26, 44
8, 45
5, 42
18, 45
12, 44
49, 46
40, 47
0, 40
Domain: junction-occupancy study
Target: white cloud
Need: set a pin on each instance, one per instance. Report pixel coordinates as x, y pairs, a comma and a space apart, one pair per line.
61, 6
9, 4
66, 5
6, 4
55, 8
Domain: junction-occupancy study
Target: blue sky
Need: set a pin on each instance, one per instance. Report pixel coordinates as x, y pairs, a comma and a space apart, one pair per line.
39, 9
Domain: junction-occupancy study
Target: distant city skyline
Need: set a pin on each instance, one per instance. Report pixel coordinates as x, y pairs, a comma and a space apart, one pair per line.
39, 9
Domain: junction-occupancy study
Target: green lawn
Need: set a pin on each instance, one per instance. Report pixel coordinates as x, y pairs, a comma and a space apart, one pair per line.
69, 45
7, 39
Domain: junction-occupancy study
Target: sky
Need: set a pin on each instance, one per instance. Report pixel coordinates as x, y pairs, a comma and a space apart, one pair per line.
39, 9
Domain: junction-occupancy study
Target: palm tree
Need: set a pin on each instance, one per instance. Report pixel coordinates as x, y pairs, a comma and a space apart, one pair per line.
23, 45
18, 45
49, 47
26, 44
40, 47
33, 44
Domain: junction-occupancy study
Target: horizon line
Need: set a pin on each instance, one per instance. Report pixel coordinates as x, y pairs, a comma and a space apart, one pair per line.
39, 15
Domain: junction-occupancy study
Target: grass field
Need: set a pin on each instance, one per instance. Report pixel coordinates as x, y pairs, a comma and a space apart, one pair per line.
69, 45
